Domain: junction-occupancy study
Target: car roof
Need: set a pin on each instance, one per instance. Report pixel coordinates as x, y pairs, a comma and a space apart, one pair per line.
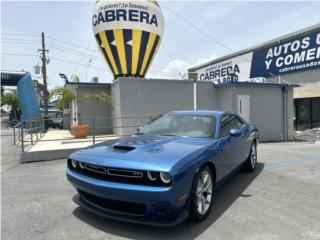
198, 112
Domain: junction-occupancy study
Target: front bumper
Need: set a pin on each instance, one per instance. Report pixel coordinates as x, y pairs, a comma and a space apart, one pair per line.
162, 205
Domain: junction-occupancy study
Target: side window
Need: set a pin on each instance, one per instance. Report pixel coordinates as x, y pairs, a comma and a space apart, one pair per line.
237, 123
227, 123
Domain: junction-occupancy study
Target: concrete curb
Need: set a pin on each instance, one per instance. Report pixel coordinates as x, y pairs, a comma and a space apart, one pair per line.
46, 155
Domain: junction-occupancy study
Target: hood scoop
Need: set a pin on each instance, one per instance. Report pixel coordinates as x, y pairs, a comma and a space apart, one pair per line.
122, 148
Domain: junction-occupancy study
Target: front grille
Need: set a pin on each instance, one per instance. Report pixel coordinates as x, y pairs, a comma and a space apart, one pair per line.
127, 176
124, 173
95, 168
114, 205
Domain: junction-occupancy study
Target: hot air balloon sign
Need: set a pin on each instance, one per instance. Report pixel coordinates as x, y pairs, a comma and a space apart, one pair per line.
128, 34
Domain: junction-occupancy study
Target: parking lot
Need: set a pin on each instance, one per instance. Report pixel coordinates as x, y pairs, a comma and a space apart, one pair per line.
281, 200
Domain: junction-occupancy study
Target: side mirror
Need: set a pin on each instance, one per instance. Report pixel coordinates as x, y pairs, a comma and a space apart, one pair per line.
234, 132
139, 129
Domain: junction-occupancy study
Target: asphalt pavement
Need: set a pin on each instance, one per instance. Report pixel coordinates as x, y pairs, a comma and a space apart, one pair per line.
281, 200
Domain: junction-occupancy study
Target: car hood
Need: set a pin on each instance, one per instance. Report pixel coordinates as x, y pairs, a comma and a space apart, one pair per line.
144, 152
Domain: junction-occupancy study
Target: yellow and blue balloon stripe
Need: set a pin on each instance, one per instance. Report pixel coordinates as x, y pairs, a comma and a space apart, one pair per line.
128, 52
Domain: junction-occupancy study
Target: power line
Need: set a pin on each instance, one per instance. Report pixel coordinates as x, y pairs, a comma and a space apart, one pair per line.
26, 43
69, 50
72, 62
22, 40
20, 34
201, 31
197, 28
34, 55
172, 60
86, 75
52, 39
74, 52
52, 45
20, 54
154, 67
84, 52
68, 43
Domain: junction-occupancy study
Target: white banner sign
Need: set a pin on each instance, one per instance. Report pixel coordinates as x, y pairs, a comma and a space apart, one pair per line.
234, 69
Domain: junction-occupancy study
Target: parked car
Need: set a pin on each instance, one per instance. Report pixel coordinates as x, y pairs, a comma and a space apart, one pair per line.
168, 171
55, 118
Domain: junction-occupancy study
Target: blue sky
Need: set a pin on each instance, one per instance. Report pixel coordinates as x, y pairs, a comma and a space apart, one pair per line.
237, 25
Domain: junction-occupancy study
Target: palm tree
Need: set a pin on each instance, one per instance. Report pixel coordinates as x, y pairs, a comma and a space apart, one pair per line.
75, 78
99, 97
64, 96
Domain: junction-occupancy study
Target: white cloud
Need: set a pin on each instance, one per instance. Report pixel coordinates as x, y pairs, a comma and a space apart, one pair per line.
176, 68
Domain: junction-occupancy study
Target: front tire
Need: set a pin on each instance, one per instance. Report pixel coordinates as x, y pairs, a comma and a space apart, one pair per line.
252, 159
202, 194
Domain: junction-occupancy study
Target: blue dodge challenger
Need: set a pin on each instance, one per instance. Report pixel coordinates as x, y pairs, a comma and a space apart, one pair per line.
166, 172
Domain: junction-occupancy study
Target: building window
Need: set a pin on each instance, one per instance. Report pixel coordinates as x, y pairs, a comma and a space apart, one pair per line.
307, 113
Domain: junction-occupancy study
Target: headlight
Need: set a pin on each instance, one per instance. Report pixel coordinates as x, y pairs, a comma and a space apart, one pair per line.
74, 163
165, 177
81, 164
152, 175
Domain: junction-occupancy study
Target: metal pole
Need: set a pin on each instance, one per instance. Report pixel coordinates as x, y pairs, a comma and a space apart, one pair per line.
195, 95
37, 130
42, 125
22, 140
19, 133
31, 138
93, 132
14, 135
44, 75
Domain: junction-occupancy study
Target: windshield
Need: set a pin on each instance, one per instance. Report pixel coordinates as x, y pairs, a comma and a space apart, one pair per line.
182, 125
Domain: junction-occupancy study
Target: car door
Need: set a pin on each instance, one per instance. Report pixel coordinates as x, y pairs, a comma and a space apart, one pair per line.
224, 159
233, 151
242, 146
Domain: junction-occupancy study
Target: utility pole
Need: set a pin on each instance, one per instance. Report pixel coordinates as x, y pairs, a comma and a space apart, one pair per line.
43, 51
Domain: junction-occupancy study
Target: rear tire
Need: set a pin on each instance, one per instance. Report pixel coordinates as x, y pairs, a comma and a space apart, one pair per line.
202, 194
251, 162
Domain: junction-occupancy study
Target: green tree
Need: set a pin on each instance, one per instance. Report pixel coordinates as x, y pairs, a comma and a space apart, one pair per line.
99, 97
75, 78
63, 95
12, 99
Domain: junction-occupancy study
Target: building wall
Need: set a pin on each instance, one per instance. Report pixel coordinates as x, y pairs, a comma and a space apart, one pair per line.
116, 107
88, 110
145, 98
207, 96
308, 90
308, 76
266, 109
141, 99
225, 99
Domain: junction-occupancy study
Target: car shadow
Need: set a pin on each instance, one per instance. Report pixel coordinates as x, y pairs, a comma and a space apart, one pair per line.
224, 198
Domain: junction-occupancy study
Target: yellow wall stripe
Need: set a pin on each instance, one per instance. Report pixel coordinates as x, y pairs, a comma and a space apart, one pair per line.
118, 36
151, 40
136, 41
108, 50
